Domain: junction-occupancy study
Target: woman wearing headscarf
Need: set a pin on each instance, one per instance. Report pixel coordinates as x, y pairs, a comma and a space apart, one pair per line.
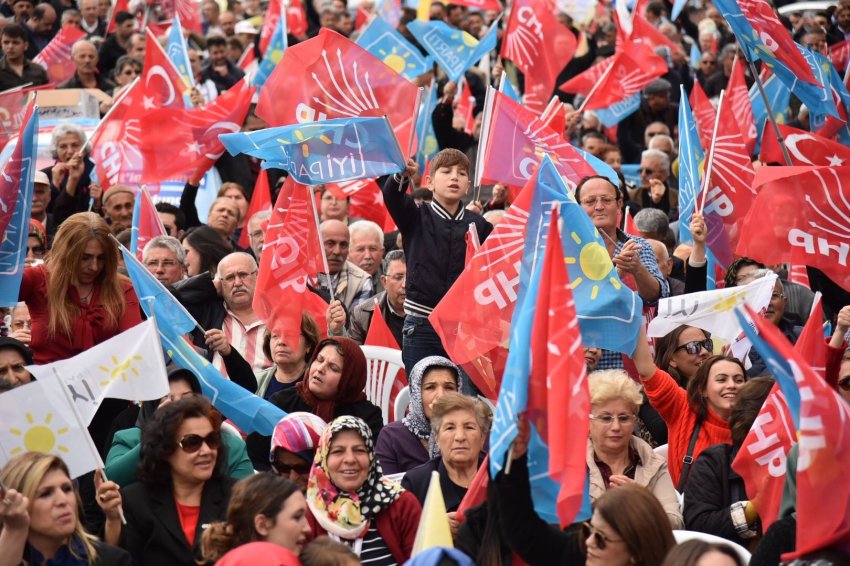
334, 386
350, 501
405, 444
294, 444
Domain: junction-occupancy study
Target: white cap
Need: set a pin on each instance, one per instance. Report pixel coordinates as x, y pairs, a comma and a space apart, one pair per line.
245, 27
41, 178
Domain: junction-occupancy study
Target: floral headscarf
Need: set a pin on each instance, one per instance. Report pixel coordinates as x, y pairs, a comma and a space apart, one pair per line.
416, 421
341, 513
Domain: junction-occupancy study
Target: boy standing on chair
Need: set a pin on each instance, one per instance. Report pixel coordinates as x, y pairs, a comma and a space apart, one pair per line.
434, 240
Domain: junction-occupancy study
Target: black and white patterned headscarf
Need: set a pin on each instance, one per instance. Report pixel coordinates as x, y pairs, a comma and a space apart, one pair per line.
416, 421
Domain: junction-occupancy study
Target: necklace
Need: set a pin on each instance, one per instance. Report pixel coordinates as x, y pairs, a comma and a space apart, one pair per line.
85, 298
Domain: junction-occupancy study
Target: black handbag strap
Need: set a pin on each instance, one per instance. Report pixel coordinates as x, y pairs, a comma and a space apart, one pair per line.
688, 460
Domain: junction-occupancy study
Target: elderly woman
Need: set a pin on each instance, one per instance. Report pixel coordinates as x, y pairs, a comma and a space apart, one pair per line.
405, 444
263, 507
70, 176
350, 501
294, 446
40, 513
615, 457
181, 487
334, 385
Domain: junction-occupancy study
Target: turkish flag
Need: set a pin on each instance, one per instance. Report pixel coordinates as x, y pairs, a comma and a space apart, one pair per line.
290, 264
538, 44
807, 208
329, 77
473, 319
261, 199
270, 21
13, 108
379, 334
558, 396
466, 107
516, 141
296, 19
645, 32
116, 146
10, 178
162, 85
365, 199
181, 144
742, 108
188, 11
56, 55
804, 148
634, 66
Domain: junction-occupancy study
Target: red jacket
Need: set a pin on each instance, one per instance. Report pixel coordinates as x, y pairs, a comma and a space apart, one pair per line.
88, 329
397, 525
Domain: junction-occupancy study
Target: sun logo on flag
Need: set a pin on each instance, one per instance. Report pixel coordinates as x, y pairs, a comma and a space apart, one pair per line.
39, 437
730, 302
396, 61
120, 370
305, 149
595, 265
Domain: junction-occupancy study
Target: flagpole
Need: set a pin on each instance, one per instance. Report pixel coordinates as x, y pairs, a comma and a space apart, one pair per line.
415, 119
595, 87
322, 247
770, 115
484, 137
710, 165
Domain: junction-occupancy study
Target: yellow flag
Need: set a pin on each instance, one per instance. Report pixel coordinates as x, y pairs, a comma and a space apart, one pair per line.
433, 528
423, 11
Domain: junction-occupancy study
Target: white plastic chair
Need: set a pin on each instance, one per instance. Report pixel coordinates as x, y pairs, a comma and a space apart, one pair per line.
682, 536
402, 400
382, 367
661, 450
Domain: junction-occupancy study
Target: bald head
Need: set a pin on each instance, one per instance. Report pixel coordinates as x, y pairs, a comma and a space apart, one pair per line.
336, 238
665, 264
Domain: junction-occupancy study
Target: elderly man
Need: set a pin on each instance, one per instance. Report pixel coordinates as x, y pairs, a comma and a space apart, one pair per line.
224, 307
653, 191
367, 250
118, 203
390, 302
165, 259
40, 202
653, 224
85, 58
257, 225
136, 46
351, 284
665, 265
91, 23
632, 256
14, 357
21, 323
227, 23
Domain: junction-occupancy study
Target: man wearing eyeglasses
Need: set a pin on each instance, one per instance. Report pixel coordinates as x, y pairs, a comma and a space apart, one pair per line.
165, 258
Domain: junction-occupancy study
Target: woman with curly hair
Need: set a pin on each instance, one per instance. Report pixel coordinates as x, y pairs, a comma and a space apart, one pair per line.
182, 487
263, 507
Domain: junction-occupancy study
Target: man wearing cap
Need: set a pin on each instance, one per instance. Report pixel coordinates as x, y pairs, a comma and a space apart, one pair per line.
14, 357
118, 203
245, 32
40, 202
656, 106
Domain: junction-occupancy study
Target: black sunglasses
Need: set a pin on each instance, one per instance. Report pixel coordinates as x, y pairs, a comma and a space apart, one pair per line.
600, 540
693, 347
284, 469
191, 443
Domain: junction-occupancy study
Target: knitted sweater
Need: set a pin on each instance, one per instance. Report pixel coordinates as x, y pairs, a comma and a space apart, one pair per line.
671, 402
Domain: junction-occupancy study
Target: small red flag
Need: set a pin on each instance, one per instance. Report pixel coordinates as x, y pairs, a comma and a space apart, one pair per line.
120, 6
839, 54
10, 179
704, 114
466, 107
188, 10
56, 55
742, 108
476, 493
270, 20
162, 85
261, 199
149, 226
365, 199
296, 19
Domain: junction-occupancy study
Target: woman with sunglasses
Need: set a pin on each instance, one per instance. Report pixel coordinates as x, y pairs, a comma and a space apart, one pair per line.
697, 417
294, 444
181, 489
615, 456
628, 526
681, 352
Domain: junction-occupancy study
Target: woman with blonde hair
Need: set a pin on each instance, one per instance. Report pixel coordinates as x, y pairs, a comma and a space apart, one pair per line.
40, 513
77, 299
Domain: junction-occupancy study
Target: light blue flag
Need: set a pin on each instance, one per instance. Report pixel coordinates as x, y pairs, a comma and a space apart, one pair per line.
509, 90
453, 49
249, 412
631, 173
13, 249
427, 146
834, 83
696, 56
780, 101
274, 53
612, 115
342, 149
171, 316
678, 5
388, 45
178, 51
599, 166
609, 313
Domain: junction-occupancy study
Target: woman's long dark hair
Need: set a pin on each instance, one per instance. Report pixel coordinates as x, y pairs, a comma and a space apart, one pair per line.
210, 245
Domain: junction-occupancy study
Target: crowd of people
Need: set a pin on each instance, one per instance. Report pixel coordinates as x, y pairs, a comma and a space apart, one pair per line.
335, 484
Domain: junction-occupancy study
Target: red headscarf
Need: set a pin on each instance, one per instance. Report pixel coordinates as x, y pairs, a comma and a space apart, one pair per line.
352, 382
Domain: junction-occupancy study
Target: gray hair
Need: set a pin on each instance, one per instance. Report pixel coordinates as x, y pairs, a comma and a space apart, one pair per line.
395, 255
658, 154
661, 137
235, 254
451, 402
652, 221
165, 243
68, 14
364, 227
81, 42
63, 130
728, 51
260, 216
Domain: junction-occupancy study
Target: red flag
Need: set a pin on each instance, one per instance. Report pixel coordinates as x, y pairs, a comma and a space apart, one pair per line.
56, 55
808, 211
776, 37
291, 261
13, 108
184, 143
329, 77
480, 4
804, 148
558, 396
586, 80
379, 334
629, 225
645, 32
632, 68
742, 108
466, 107
248, 58
261, 199
10, 178
120, 6
472, 243
270, 21
554, 116
839, 54
476, 493
188, 10
162, 85
538, 44
473, 319
365, 199
149, 226
116, 144
798, 274
704, 114
517, 141
296, 19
